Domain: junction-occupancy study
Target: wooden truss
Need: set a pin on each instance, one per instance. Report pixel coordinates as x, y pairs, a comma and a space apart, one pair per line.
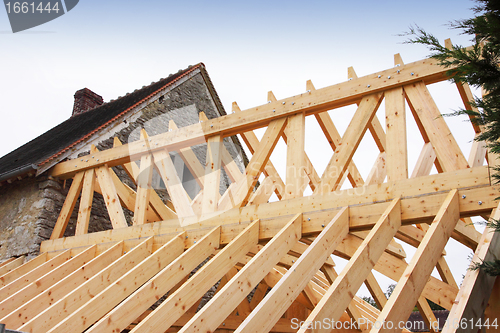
270, 265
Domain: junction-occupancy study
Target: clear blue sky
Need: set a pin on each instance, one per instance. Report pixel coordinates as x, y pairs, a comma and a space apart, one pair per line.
249, 48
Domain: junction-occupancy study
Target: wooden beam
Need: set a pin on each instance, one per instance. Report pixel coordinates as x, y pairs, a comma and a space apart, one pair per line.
33, 275
378, 172
417, 273
156, 203
9, 304
177, 193
282, 296
10, 264
68, 206
253, 143
212, 174
110, 196
144, 187
186, 296
311, 102
448, 152
13, 272
375, 290
82, 223
122, 314
257, 163
358, 268
222, 304
425, 161
395, 120
107, 299
295, 156
350, 141
86, 291
62, 287
477, 285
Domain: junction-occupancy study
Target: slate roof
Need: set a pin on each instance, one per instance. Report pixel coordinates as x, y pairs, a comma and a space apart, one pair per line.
62, 137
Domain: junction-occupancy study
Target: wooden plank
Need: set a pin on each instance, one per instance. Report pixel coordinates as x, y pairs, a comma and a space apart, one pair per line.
467, 96
378, 172
282, 296
82, 223
61, 309
257, 163
222, 304
107, 299
110, 196
118, 316
190, 160
212, 174
33, 275
420, 205
228, 162
358, 267
375, 290
7, 305
448, 152
252, 142
334, 138
178, 302
477, 153
10, 265
177, 193
311, 102
395, 120
143, 184
295, 156
68, 206
23, 269
61, 288
425, 161
8, 261
157, 204
417, 273
350, 141
476, 286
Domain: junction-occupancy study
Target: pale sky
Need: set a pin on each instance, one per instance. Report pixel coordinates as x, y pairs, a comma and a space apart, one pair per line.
114, 47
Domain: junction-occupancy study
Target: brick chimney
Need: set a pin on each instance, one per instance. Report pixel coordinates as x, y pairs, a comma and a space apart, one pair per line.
86, 99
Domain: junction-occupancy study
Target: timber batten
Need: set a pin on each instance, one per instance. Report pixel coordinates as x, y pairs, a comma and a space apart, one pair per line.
283, 250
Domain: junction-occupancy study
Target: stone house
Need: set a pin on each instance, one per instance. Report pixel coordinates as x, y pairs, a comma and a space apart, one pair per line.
30, 200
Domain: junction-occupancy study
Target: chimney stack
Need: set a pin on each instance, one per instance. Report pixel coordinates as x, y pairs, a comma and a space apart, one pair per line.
86, 99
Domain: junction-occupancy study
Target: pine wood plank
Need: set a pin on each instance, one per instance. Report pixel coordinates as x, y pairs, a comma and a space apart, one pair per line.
10, 265
417, 273
143, 185
156, 203
425, 161
319, 100
257, 163
378, 172
107, 299
295, 156
212, 174
139, 301
477, 285
68, 206
222, 304
358, 267
186, 296
177, 193
23, 269
448, 153
282, 296
82, 223
375, 290
31, 276
14, 301
350, 141
61, 309
110, 196
61, 288
395, 120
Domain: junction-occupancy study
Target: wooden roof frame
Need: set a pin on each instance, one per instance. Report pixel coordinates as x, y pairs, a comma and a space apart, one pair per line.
107, 281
